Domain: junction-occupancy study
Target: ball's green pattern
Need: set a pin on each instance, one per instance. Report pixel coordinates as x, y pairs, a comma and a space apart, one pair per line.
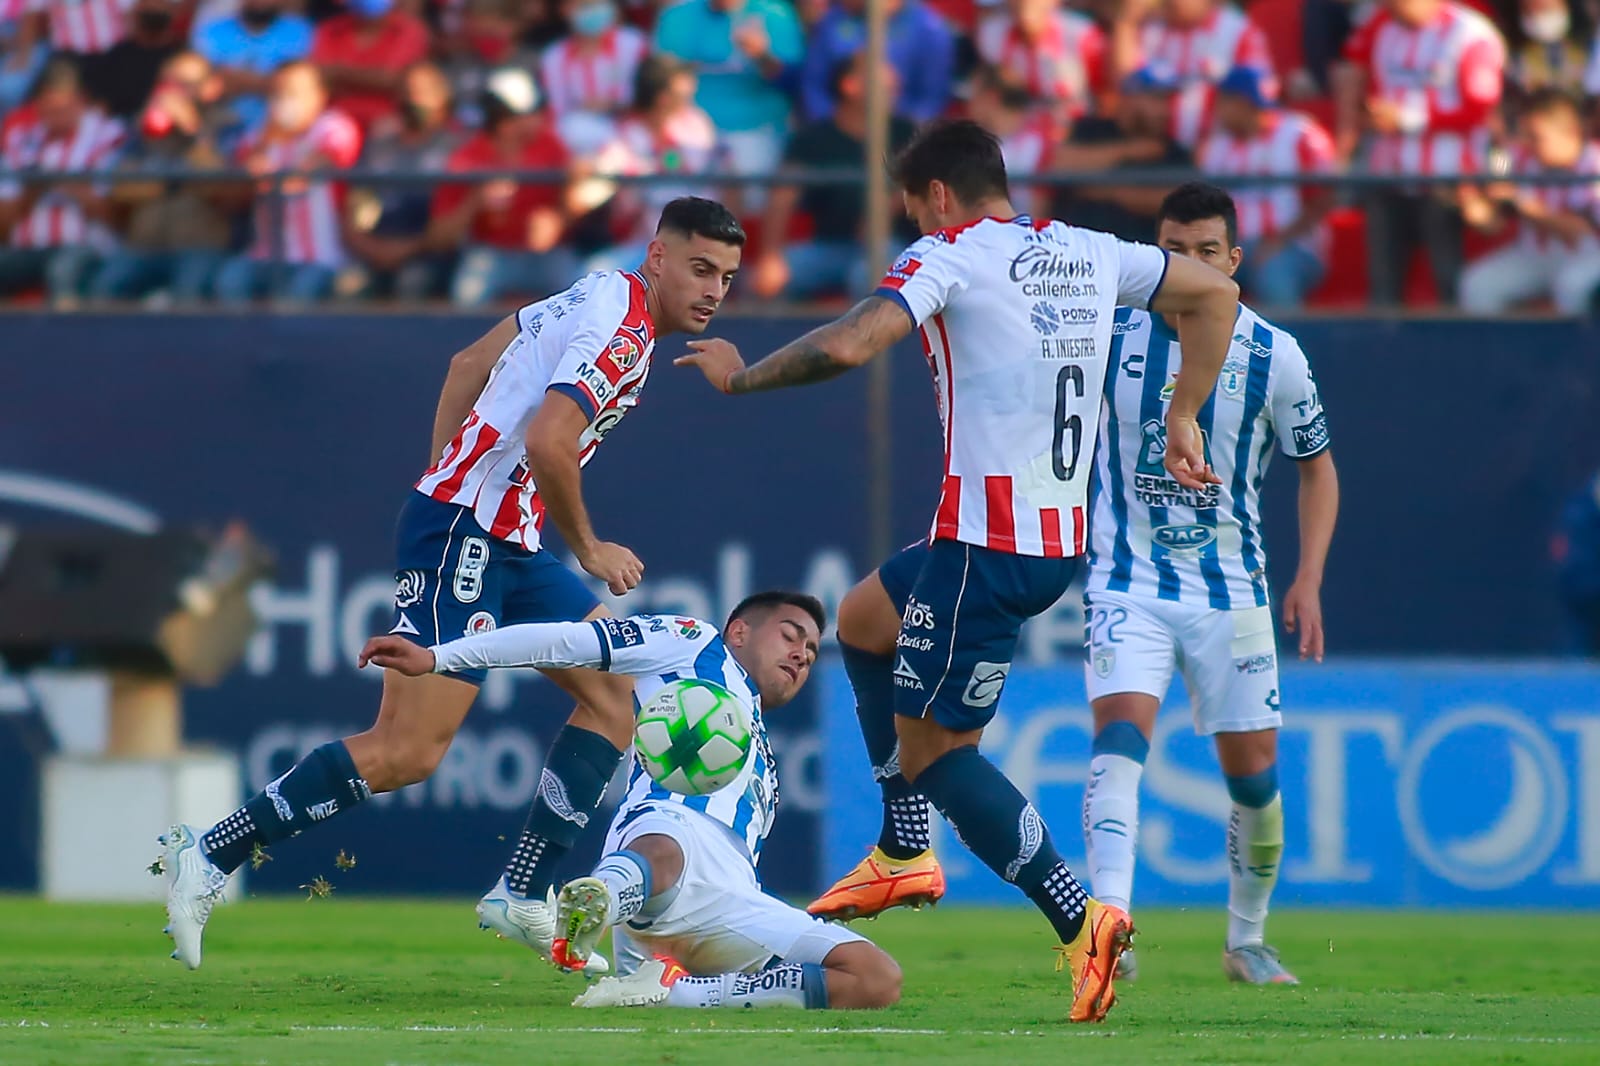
692, 736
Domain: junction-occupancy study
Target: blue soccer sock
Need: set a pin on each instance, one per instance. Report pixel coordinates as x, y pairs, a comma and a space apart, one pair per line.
571, 785
316, 788
1002, 828
905, 832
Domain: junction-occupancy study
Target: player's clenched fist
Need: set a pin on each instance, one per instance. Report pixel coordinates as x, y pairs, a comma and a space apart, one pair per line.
1186, 454
617, 566
399, 654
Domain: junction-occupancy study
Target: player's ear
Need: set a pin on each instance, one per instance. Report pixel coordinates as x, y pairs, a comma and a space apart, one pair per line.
736, 633
1235, 257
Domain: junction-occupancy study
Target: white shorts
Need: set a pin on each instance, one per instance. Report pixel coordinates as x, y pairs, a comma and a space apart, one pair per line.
717, 919
1228, 659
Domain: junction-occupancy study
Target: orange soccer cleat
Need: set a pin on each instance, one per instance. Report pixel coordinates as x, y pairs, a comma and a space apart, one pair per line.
878, 883
1092, 957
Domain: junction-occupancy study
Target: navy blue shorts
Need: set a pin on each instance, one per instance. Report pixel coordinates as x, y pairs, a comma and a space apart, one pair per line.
961, 608
452, 579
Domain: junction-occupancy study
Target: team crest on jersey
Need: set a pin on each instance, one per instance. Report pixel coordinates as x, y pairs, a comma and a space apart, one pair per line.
1235, 371
481, 622
409, 586
1046, 320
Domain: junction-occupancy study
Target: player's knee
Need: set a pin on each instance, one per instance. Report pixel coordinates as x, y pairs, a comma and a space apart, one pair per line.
867, 618
883, 980
664, 856
875, 977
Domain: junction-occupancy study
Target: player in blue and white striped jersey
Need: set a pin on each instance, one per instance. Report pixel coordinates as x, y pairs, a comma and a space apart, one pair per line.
1178, 580
678, 878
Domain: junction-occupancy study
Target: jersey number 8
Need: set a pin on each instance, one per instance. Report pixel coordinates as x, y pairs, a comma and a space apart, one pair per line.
1062, 463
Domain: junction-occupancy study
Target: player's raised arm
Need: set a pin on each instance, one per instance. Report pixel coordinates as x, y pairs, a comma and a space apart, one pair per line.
545, 645
1203, 302
464, 382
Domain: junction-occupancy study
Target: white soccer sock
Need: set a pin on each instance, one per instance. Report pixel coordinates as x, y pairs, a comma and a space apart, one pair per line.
1255, 846
625, 874
1111, 826
788, 985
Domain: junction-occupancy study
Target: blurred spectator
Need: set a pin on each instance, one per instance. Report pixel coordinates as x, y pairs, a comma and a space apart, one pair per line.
247, 48
23, 51
487, 42
1549, 48
1423, 79
588, 76
510, 233
1057, 55
666, 132
177, 232
363, 55
83, 27
121, 77
1137, 137
298, 248
1325, 25
57, 228
833, 259
740, 50
541, 23
1028, 133
920, 48
1557, 252
388, 224
1280, 226
1199, 41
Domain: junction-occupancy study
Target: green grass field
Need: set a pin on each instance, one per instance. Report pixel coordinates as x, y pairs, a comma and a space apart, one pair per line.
353, 981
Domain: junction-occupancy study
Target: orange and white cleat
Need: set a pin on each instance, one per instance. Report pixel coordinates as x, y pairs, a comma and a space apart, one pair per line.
1092, 958
878, 883
647, 986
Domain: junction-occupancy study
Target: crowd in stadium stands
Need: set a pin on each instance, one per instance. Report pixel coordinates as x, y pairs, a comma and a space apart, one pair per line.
706, 91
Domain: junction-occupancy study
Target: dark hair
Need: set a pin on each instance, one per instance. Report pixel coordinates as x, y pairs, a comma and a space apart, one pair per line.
695, 216
1550, 102
762, 602
1195, 201
841, 70
654, 76
60, 72
958, 152
1012, 96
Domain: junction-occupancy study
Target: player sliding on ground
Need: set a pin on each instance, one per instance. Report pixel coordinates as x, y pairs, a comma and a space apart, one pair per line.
1015, 315
1177, 581
523, 409
678, 883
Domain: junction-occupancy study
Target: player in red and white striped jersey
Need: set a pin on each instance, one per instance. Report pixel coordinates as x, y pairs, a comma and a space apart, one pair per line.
56, 230
1557, 251
522, 410
588, 75
1281, 227
86, 27
1199, 41
1056, 55
1423, 78
1015, 316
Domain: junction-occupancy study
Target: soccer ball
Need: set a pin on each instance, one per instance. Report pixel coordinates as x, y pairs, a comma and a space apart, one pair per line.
692, 736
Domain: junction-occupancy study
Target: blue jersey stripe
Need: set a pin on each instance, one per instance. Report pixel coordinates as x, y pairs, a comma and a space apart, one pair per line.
1157, 359
1255, 398
1121, 550
1210, 565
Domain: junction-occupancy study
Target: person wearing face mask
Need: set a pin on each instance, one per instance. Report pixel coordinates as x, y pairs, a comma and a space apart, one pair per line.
387, 226
245, 49
299, 249
1548, 48
123, 77
364, 53
588, 75
177, 232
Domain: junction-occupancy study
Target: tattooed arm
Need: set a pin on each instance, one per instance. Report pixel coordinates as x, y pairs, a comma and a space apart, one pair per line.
868, 328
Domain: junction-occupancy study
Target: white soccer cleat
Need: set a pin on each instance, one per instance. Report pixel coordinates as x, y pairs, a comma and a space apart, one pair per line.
645, 987
582, 912
1127, 966
530, 922
194, 884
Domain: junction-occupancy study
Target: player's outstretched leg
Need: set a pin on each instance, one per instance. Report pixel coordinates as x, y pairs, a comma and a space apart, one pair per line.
855, 976
1255, 847
1005, 831
416, 721
901, 870
1111, 807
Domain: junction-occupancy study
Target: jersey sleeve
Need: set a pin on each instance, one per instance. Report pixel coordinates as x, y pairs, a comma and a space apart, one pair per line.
925, 277
600, 350
549, 645
1297, 415
647, 644
1141, 268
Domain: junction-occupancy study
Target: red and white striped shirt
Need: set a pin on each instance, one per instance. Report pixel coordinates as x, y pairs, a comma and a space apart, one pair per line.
1578, 199
576, 78
1445, 78
592, 343
311, 216
86, 26
1030, 148
56, 220
1287, 143
1064, 66
1016, 317
1199, 57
